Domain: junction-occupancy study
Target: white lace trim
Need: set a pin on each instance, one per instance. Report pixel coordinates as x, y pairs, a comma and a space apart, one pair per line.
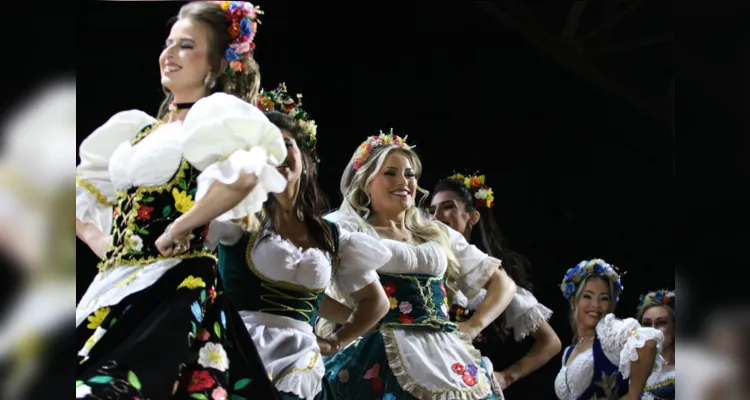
621, 339
303, 379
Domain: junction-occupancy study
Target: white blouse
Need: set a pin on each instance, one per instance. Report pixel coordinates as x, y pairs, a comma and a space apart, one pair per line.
410, 350
620, 340
220, 136
288, 347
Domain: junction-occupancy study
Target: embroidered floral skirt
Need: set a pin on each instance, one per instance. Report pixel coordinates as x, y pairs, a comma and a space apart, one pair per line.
361, 371
179, 338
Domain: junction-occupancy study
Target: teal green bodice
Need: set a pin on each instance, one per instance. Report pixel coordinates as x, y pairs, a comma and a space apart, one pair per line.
249, 290
416, 301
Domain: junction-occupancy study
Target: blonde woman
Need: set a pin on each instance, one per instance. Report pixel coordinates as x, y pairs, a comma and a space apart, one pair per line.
416, 352
657, 310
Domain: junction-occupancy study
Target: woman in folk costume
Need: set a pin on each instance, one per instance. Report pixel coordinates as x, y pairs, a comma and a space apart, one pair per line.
277, 273
609, 358
465, 202
657, 310
154, 323
416, 352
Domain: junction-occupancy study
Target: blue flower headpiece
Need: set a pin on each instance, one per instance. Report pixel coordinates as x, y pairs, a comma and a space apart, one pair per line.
583, 270
664, 297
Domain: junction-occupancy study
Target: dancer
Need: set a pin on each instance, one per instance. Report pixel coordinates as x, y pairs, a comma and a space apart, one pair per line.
465, 203
609, 357
277, 274
154, 322
657, 310
417, 352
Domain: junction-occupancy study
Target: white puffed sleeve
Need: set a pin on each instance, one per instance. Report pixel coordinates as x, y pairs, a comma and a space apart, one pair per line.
224, 232
360, 256
225, 136
95, 192
525, 314
476, 267
621, 339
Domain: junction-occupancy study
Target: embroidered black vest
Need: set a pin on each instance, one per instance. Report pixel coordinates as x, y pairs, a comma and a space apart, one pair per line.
142, 214
416, 301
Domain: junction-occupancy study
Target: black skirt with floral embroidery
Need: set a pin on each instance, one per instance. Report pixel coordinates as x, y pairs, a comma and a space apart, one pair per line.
180, 338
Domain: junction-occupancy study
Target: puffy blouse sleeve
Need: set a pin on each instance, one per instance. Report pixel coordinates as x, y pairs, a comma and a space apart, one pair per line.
95, 193
525, 314
621, 339
360, 255
475, 266
225, 136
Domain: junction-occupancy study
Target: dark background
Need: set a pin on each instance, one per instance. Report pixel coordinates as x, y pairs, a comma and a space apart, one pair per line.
579, 168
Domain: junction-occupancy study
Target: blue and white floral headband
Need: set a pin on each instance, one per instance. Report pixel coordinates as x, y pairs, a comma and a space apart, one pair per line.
664, 297
585, 269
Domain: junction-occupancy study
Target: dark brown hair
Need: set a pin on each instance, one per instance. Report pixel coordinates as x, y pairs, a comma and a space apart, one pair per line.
312, 203
246, 85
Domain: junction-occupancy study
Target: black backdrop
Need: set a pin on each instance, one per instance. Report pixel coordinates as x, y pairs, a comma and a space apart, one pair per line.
577, 174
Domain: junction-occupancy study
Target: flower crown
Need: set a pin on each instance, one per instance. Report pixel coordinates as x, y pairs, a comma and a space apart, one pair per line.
280, 100
364, 149
664, 297
481, 192
244, 23
584, 269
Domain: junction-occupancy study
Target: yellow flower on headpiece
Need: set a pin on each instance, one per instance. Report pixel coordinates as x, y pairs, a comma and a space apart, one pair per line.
490, 198
225, 5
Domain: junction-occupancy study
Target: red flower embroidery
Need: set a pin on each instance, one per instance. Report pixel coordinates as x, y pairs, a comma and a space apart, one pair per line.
389, 289
377, 385
144, 212
405, 319
469, 380
458, 368
212, 293
200, 381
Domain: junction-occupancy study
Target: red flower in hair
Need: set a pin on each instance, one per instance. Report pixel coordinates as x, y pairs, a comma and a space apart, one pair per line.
238, 13
234, 30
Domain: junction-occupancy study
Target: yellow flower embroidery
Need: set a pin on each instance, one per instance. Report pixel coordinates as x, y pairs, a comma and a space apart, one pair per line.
98, 317
182, 201
393, 301
192, 282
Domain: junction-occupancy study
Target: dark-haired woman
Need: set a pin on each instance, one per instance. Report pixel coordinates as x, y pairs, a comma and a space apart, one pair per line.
154, 323
465, 204
277, 274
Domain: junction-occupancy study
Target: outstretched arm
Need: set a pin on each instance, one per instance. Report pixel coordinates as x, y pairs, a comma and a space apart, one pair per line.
219, 199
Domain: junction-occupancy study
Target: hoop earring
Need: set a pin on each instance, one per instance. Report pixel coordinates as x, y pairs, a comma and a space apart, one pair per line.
209, 81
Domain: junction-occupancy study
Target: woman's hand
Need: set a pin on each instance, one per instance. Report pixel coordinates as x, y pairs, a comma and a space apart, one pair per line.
470, 329
328, 347
168, 246
505, 379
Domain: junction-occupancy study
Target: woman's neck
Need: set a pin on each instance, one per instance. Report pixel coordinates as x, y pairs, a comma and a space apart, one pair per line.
286, 202
668, 354
182, 98
388, 220
585, 332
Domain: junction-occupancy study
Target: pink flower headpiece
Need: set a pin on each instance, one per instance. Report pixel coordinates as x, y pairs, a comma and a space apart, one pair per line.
244, 21
372, 142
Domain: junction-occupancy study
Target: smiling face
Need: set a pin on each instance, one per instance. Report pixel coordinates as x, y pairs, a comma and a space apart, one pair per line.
447, 207
661, 318
292, 166
593, 302
184, 62
394, 186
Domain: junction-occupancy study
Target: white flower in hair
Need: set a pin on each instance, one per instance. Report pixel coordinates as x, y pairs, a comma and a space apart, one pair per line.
481, 194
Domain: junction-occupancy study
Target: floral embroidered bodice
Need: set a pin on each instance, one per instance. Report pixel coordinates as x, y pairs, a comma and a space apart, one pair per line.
155, 185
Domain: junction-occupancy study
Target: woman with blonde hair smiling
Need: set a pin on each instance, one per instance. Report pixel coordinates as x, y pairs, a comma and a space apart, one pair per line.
416, 352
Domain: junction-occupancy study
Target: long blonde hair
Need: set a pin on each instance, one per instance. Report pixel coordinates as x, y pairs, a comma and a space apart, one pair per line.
357, 203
